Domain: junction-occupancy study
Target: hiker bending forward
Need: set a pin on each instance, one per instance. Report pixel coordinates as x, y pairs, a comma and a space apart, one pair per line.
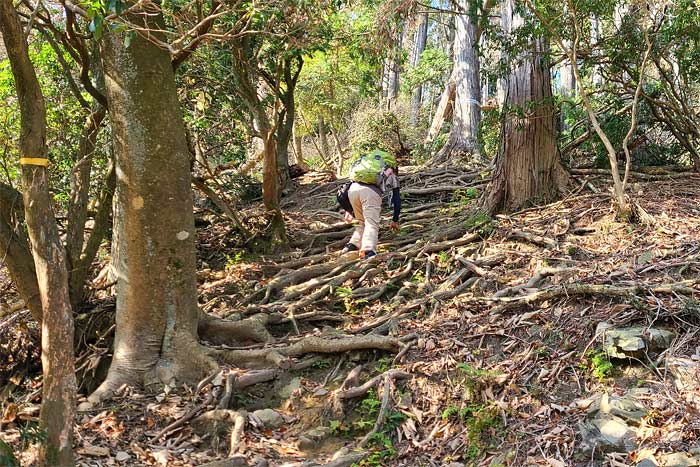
366, 201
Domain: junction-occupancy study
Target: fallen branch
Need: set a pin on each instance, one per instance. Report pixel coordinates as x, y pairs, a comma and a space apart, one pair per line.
538, 240
567, 290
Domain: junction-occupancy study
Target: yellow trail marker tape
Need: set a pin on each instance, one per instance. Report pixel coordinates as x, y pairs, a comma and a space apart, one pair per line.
41, 161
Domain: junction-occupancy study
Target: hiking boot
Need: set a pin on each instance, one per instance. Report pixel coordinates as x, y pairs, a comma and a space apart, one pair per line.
367, 254
348, 248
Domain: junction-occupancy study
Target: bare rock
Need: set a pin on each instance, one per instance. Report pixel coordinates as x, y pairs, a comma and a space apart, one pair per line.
607, 433
286, 391
269, 418
611, 424
686, 377
313, 437
634, 342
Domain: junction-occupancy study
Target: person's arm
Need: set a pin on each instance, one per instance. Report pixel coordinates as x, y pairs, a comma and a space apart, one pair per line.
396, 202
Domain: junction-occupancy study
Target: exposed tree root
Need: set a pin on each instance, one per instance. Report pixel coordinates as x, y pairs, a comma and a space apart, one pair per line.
214, 420
533, 283
360, 391
538, 240
567, 290
221, 331
280, 356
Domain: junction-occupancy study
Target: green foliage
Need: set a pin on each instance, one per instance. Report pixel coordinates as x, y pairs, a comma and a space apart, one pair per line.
434, 64
598, 365
482, 423
422, 153
481, 221
234, 260
7, 457
418, 277
444, 258
382, 365
466, 195
376, 128
322, 364
343, 292
64, 117
31, 433
490, 131
370, 404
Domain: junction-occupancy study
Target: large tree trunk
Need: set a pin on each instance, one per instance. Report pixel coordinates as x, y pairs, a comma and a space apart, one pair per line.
57, 358
527, 166
421, 37
466, 116
15, 251
154, 236
392, 69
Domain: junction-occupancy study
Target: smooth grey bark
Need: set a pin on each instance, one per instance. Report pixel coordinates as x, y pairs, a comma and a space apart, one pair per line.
154, 235
420, 39
466, 116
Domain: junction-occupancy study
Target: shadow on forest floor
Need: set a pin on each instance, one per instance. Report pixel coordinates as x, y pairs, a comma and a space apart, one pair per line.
497, 323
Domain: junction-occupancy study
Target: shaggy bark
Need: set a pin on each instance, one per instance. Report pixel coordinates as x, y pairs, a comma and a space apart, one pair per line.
153, 248
527, 166
57, 358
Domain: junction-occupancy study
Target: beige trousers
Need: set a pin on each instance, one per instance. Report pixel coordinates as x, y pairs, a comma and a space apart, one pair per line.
367, 205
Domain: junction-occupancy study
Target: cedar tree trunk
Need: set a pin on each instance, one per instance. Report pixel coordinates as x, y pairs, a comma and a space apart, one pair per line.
421, 38
527, 166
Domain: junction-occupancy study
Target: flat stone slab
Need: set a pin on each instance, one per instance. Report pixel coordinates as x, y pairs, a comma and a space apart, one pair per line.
634, 342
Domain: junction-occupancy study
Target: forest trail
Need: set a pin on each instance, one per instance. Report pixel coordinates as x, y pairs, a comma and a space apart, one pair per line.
490, 328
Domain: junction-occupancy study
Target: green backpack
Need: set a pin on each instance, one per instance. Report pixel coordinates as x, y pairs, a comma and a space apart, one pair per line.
369, 167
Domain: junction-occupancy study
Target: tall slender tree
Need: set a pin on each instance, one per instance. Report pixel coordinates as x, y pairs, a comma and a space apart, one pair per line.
419, 42
57, 356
